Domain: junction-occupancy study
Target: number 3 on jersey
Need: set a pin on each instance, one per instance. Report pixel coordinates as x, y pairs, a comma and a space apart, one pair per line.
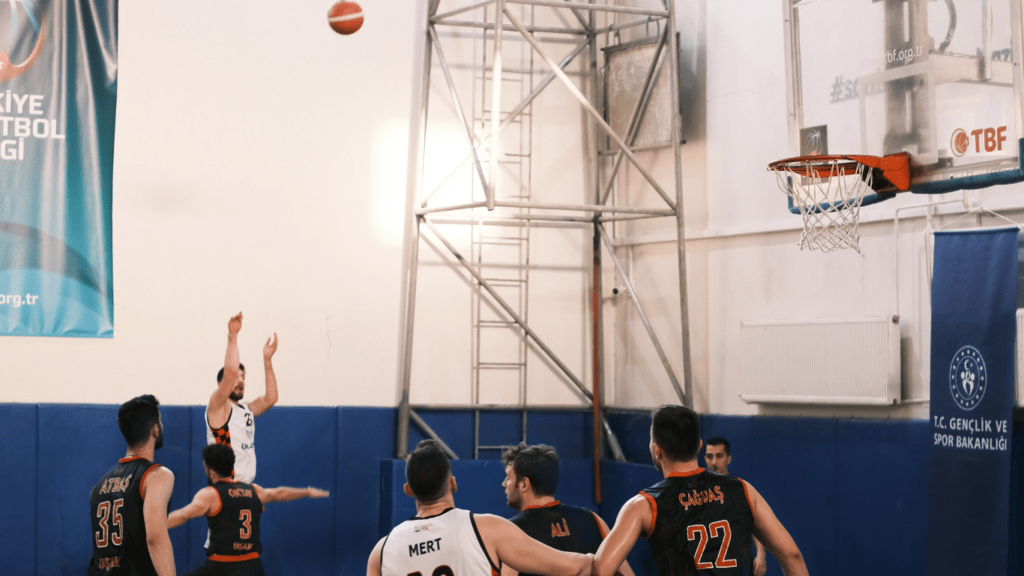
245, 516
714, 530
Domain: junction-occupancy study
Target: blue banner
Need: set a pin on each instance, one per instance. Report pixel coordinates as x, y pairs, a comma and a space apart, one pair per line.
974, 301
58, 96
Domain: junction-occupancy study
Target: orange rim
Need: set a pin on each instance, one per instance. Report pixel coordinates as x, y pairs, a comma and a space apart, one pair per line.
819, 166
895, 167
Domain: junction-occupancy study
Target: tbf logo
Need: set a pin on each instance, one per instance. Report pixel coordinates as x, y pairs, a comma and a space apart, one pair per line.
968, 378
990, 138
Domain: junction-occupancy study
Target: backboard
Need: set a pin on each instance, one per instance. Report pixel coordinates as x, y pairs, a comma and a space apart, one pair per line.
938, 79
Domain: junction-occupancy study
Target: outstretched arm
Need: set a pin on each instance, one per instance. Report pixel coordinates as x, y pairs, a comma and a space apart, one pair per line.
205, 502
634, 518
156, 489
512, 546
219, 408
269, 398
774, 536
287, 494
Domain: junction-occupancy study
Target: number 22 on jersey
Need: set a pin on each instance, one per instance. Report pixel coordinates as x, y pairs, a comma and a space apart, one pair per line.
702, 534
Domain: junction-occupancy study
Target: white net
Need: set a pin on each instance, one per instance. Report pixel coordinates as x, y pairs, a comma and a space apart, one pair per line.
829, 195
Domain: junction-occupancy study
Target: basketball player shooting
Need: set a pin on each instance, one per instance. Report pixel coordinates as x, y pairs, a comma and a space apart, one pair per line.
231, 422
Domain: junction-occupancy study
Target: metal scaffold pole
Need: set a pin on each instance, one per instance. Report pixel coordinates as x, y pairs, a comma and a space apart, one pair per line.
498, 59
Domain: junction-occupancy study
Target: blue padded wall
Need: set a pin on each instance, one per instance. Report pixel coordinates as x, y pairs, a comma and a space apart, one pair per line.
19, 482
366, 437
876, 463
620, 481
850, 491
78, 443
1015, 564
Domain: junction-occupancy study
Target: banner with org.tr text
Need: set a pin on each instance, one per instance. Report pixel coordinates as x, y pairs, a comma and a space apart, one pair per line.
974, 301
58, 94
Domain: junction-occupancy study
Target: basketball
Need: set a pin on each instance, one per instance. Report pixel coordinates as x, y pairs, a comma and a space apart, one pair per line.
345, 17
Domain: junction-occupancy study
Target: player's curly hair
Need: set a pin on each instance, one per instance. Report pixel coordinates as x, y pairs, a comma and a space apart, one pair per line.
676, 430
220, 458
538, 463
427, 471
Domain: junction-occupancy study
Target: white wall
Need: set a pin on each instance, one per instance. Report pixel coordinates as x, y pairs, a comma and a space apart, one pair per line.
261, 163
259, 166
755, 269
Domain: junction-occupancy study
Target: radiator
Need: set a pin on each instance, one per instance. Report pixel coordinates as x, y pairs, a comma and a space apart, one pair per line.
822, 361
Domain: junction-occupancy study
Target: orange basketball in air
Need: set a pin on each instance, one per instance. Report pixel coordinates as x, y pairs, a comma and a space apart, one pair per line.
345, 17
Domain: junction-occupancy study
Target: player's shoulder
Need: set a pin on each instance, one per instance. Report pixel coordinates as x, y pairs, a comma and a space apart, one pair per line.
491, 523
641, 503
568, 510
715, 477
157, 475
522, 517
752, 494
483, 517
159, 472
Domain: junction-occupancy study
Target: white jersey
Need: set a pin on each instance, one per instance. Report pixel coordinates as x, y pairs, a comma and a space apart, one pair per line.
239, 432
447, 544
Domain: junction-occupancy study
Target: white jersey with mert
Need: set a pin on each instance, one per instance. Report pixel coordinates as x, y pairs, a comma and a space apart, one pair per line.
449, 540
239, 432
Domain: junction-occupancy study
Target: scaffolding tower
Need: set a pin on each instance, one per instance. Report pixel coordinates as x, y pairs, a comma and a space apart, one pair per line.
496, 58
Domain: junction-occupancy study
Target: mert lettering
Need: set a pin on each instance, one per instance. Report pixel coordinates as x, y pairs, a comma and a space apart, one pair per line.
425, 547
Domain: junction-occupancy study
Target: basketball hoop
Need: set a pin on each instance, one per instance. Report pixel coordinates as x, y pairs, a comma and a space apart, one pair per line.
829, 190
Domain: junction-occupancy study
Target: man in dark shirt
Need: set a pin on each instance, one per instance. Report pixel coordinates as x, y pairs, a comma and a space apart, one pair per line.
129, 503
695, 521
531, 478
718, 456
232, 511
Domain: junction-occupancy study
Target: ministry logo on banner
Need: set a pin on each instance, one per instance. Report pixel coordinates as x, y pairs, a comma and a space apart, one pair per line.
974, 305
967, 377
